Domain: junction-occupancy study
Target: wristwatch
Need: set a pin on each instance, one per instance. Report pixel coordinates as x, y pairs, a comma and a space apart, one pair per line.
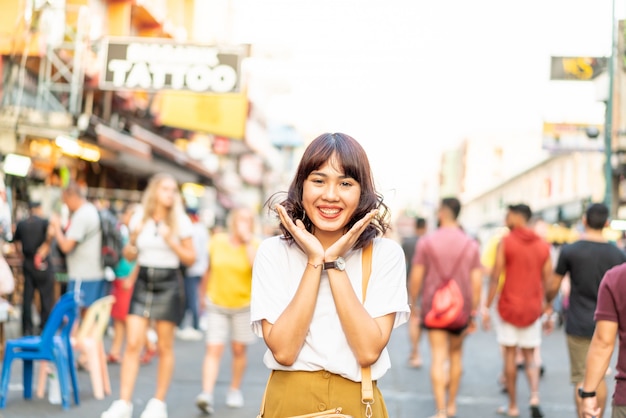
339, 264
584, 394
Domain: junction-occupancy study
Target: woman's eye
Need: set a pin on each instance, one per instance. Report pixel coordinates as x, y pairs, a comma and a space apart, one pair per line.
346, 183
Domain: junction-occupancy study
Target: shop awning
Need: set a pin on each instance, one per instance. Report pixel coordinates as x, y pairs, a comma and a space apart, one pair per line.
165, 148
117, 141
131, 155
131, 164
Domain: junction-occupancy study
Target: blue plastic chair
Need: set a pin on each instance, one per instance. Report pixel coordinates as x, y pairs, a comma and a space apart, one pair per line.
53, 345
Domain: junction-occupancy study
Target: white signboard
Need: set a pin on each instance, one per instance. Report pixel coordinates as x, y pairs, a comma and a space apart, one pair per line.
162, 64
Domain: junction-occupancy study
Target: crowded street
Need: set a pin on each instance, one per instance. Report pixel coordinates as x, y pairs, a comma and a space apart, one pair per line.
298, 209
407, 390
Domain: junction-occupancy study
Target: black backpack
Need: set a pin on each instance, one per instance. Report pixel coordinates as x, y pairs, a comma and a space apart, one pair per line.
112, 242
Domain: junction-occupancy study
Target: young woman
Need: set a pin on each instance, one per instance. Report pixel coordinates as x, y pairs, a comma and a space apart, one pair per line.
226, 287
160, 239
306, 289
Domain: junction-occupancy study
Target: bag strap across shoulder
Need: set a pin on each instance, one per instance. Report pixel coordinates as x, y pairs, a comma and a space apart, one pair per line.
367, 387
456, 263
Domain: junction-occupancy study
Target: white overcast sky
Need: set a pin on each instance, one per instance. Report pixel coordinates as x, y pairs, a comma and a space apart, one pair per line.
409, 78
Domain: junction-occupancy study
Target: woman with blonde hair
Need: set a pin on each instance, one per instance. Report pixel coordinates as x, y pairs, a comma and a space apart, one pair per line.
160, 240
227, 286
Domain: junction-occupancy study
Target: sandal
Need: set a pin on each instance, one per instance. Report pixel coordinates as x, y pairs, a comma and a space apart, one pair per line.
504, 410
113, 358
147, 356
415, 362
535, 411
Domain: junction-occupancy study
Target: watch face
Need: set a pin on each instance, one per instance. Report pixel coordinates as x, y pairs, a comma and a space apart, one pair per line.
340, 264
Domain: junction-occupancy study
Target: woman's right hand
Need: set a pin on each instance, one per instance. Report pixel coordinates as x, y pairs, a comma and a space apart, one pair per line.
305, 240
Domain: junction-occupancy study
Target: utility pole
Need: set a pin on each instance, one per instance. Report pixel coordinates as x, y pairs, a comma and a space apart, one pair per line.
608, 121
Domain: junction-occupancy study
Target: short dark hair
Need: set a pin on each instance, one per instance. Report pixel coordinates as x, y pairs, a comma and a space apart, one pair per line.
597, 214
420, 222
453, 204
344, 151
522, 209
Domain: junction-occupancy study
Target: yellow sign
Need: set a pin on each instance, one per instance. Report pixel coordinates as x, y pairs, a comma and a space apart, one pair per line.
577, 68
218, 114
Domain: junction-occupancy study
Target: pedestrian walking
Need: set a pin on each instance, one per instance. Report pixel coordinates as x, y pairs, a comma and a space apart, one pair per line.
409, 245
160, 240
610, 316
226, 288
488, 259
447, 258
192, 275
325, 331
525, 259
31, 239
122, 289
585, 261
81, 242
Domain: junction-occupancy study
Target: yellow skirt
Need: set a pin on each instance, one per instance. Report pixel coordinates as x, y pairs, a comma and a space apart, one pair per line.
292, 393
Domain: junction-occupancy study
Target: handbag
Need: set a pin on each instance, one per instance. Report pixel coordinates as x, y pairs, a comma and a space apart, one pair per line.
446, 309
367, 388
7, 280
56, 258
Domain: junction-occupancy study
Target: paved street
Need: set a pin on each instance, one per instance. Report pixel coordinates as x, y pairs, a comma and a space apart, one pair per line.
406, 390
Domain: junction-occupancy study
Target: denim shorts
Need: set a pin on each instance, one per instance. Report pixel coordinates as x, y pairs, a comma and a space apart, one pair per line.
89, 290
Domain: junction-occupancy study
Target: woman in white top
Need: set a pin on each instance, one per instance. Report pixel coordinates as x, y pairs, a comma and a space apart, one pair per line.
306, 289
160, 240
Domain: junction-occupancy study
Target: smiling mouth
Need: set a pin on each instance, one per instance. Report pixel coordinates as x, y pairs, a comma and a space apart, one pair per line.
330, 211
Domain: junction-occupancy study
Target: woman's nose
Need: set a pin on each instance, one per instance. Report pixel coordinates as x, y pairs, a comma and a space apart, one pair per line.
330, 193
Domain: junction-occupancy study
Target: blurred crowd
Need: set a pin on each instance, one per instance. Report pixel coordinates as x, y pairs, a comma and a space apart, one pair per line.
174, 277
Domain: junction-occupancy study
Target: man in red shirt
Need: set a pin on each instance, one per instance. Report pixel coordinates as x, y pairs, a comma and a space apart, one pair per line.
525, 259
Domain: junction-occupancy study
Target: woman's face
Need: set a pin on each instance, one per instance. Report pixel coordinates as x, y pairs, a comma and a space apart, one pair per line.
330, 198
243, 224
166, 192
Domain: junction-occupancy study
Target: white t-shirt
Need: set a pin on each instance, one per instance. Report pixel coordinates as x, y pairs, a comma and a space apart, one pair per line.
278, 269
153, 250
83, 262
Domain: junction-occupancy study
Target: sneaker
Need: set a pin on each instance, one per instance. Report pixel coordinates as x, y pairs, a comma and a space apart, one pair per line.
204, 402
189, 334
118, 409
234, 398
155, 408
195, 335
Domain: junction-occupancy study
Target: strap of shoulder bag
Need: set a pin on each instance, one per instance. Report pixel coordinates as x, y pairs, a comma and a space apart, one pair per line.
367, 387
456, 263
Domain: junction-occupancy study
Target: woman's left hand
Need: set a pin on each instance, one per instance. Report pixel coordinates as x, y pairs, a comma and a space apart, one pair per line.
347, 241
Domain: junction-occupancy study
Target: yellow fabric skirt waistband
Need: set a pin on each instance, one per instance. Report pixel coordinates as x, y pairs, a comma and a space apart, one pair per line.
292, 393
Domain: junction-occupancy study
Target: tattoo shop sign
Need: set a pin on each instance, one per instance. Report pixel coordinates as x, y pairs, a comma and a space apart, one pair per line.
160, 64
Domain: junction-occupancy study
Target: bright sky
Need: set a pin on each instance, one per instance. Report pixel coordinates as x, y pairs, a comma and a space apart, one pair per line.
409, 78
